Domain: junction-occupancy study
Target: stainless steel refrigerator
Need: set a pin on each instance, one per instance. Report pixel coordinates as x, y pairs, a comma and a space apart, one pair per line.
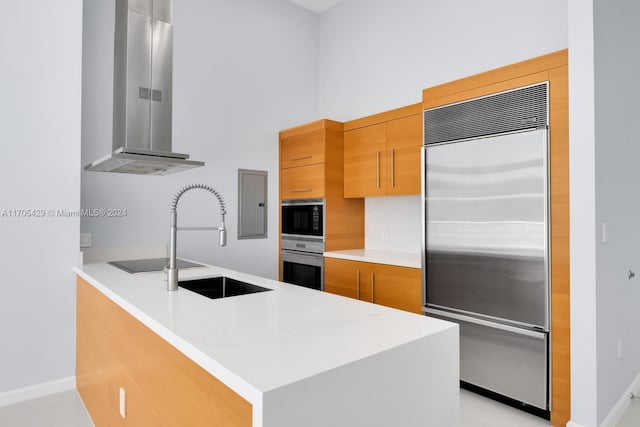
486, 237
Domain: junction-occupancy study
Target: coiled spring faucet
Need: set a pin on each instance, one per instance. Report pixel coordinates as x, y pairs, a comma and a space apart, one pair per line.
172, 270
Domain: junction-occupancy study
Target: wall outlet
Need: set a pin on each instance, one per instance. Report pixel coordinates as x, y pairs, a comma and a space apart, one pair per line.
619, 348
123, 403
605, 233
385, 235
85, 240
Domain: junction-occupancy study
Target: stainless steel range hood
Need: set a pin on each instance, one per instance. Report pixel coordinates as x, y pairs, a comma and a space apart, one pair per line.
142, 92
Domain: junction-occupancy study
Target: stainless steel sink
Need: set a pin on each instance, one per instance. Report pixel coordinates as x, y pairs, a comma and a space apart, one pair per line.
220, 287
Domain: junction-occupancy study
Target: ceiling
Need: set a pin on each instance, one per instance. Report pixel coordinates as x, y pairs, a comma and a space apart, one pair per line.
318, 6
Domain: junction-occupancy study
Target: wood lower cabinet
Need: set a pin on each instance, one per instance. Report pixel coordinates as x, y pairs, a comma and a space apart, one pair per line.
163, 387
392, 286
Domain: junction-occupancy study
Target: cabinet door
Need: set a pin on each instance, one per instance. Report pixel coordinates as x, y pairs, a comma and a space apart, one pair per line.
341, 277
404, 142
301, 150
397, 287
365, 161
303, 182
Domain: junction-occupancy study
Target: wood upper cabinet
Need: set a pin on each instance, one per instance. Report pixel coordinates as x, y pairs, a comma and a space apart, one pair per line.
305, 153
382, 154
404, 143
392, 286
303, 149
304, 182
365, 160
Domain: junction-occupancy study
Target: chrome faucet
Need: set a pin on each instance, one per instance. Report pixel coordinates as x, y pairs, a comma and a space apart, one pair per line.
172, 270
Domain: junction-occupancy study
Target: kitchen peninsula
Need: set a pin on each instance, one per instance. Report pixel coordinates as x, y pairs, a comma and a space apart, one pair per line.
290, 356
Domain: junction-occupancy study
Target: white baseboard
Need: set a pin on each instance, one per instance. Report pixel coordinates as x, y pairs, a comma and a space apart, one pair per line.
574, 424
621, 406
38, 390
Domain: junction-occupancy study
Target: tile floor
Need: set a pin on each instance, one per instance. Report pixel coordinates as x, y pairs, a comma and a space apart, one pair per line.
631, 417
56, 410
66, 410
479, 411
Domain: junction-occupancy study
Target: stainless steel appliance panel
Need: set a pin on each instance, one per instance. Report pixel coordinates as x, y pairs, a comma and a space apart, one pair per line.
486, 227
161, 85
303, 244
138, 80
142, 92
509, 361
303, 269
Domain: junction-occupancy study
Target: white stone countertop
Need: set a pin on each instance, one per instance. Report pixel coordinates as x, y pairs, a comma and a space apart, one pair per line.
402, 259
259, 342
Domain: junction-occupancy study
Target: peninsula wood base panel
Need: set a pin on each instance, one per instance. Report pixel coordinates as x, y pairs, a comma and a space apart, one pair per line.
162, 386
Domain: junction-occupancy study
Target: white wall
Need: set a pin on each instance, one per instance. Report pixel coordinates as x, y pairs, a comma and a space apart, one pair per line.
617, 150
242, 71
582, 201
40, 41
376, 55
604, 65
393, 224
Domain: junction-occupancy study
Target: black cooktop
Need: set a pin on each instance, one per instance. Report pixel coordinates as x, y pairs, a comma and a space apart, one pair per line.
150, 264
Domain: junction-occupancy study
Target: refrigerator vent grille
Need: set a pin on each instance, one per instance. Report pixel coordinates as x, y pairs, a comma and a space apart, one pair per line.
509, 111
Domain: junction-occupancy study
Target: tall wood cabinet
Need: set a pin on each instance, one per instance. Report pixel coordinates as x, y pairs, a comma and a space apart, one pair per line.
382, 153
551, 68
312, 166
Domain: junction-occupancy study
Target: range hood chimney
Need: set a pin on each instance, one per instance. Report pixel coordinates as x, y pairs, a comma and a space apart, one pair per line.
142, 92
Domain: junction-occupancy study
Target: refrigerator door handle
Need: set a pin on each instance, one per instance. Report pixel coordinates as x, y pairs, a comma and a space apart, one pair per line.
454, 316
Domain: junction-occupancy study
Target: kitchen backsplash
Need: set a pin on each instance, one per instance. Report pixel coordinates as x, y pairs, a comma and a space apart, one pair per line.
393, 223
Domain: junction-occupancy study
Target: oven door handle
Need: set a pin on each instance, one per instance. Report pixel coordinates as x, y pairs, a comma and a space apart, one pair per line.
303, 258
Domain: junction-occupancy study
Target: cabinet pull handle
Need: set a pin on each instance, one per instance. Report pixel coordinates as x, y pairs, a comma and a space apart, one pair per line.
393, 156
304, 156
377, 169
372, 286
358, 284
300, 190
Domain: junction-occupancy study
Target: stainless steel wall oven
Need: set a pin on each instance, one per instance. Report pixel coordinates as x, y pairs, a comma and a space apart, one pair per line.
303, 242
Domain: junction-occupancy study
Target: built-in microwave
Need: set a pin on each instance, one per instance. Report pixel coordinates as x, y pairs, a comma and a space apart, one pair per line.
303, 217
